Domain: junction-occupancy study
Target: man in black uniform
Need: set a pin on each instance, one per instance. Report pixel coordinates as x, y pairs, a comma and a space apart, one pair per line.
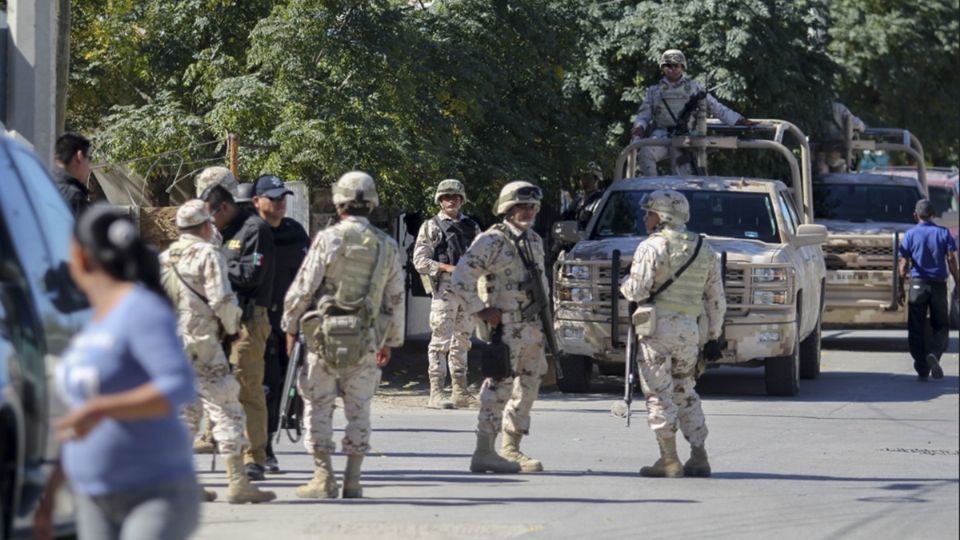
586, 202
249, 252
291, 243
71, 170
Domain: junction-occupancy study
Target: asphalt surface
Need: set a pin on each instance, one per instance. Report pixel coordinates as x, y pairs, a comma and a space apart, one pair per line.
865, 451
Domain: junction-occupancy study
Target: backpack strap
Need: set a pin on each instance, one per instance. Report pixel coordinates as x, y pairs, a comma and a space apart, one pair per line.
679, 272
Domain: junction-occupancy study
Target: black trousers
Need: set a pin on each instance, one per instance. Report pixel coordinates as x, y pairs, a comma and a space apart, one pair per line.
927, 296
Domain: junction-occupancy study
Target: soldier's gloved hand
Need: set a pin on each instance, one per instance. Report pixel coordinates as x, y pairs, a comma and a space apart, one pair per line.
713, 350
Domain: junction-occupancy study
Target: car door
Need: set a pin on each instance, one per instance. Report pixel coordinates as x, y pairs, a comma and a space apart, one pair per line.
811, 257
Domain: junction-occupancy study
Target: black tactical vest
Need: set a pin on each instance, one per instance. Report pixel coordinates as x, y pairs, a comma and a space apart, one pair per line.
455, 238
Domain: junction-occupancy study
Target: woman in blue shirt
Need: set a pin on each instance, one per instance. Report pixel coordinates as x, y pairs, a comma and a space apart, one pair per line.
126, 453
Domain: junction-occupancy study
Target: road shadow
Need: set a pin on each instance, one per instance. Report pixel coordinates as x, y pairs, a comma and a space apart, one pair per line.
876, 341
895, 483
483, 501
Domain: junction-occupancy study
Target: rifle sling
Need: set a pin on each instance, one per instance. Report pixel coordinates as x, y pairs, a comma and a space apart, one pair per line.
680, 271
187, 285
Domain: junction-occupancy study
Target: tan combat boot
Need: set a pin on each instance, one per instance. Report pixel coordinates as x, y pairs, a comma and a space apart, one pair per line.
323, 485
461, 397
668, 466
511, 450
486, 459
437, 400
351, 477
240, 490
203, 445
697, 465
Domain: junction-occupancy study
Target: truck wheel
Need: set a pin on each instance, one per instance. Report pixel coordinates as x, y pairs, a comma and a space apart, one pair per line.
782, 374
810, 354
576, 374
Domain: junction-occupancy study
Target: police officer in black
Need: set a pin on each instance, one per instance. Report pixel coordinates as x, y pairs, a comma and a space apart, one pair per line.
291, 243
249, 251
71, 170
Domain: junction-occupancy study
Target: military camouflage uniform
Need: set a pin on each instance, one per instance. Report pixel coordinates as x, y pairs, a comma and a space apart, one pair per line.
505, 403
668, 358
832, 159
450, 326
320, 383
202, 267
653, 113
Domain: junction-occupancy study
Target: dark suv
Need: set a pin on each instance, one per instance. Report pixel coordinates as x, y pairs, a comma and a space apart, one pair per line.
40, 309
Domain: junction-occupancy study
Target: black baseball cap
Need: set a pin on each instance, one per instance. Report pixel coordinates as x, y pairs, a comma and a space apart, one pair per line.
924, 209
271, 187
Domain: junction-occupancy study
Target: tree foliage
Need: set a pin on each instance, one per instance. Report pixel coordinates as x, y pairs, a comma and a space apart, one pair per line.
484, 90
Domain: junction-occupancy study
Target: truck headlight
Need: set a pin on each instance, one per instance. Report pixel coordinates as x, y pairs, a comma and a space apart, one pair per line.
578, 272
768, 275
769, 297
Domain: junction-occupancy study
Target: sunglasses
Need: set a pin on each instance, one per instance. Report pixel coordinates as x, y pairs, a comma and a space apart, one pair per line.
671, 66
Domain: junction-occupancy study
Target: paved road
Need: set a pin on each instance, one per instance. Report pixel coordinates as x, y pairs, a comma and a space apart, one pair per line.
866, 451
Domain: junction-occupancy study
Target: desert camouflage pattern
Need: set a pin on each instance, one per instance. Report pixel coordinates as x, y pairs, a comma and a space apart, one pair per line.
319, 383
671, 206
202, 266
505, 404
751, 334
673, 56
450, 325
356, 187
216, 175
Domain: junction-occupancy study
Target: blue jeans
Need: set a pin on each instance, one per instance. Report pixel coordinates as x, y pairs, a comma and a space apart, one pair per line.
168, 511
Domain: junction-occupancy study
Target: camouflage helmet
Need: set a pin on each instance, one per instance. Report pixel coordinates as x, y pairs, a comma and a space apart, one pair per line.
450, 186
592, 169
673, 56
244, 193
355, 187
519, 192
192, 213
216, 175
670, 205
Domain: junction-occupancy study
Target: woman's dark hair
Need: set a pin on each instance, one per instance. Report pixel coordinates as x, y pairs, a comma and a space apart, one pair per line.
112, 239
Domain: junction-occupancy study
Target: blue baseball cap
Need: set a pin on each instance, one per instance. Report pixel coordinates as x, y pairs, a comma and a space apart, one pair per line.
271, 187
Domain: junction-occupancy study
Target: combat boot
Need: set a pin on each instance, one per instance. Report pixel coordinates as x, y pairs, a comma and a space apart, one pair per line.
668, 466
351, 477
437, 400
323, 485
461, 397
511, 450
240, 490
697, 465
207, 495
203, 445
486, 459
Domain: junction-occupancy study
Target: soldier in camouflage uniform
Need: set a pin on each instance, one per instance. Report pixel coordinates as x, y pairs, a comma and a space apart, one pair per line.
351, 278
194, 275
661, 106
505, 403
668, 357
441, 242
830, 157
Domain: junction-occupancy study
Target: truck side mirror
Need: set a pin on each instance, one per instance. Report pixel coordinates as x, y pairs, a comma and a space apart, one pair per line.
811, 234
566, 232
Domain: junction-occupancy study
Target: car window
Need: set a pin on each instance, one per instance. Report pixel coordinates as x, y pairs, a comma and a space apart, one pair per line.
860, 203
788, 216
716, 213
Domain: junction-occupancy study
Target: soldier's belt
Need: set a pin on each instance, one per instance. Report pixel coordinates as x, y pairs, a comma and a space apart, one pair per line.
516, 317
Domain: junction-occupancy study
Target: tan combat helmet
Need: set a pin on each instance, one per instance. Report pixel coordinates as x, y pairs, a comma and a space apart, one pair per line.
450, 186
673, 56
519, 192
670, 205
355, 187
593, 170
192, 213
216, 175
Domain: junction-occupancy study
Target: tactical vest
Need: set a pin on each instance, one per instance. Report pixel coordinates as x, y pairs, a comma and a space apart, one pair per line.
340, 329
675, 97
455, 238
685, 294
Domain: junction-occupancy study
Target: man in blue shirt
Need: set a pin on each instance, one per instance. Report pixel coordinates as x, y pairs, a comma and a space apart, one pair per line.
927, 251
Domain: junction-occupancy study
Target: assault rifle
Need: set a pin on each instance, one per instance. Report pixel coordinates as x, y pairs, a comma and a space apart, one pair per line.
682, 120
287, 415
631, 376
541, 302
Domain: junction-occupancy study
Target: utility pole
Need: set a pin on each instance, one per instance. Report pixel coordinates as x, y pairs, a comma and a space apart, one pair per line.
31, 75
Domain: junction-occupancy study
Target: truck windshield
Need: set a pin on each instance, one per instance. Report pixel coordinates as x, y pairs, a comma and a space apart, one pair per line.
715, 213
861, 203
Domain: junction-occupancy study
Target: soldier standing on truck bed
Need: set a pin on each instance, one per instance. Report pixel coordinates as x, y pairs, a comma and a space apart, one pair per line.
509, 388
249, 251
661, 107
347, 301
442, 240
682, 274
928, 252
194, 276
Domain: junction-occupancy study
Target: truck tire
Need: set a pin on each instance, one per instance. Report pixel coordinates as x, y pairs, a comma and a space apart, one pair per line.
782, 374
810, 354
576, 374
